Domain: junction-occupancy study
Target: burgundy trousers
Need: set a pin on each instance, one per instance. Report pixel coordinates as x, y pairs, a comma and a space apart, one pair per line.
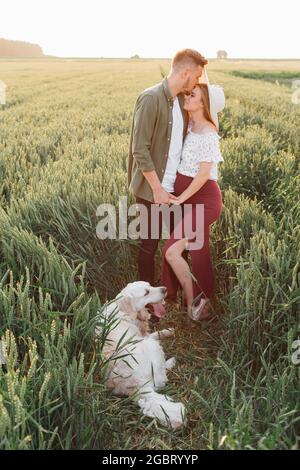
148, 245
201, 263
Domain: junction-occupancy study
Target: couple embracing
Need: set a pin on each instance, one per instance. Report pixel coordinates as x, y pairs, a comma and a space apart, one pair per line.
174, 153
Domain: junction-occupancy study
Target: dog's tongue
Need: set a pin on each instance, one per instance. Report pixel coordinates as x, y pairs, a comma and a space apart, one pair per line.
158, 309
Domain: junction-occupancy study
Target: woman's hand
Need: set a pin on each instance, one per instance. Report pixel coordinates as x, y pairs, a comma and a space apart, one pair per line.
177, 200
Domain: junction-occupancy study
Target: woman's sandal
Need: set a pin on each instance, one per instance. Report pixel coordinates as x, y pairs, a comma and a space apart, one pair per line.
199, 308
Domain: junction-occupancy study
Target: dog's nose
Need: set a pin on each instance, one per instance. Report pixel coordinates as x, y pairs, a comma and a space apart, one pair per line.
164, 290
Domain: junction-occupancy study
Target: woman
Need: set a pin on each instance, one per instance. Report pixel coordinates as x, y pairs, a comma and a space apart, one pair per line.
196, 183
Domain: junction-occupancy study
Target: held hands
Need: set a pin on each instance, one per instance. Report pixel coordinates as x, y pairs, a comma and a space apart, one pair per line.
163, 197
176, 200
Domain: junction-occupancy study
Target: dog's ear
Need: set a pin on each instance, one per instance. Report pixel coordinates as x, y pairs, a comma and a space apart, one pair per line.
126, 305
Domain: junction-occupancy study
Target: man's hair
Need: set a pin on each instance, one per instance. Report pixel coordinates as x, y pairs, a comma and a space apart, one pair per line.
187, 58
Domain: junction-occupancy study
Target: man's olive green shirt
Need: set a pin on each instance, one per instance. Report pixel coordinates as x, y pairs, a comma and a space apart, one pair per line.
151, 135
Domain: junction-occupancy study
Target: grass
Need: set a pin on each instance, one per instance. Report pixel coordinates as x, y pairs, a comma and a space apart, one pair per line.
282, 77
63, 151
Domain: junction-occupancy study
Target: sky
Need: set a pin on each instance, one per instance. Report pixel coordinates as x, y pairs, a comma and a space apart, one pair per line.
155, 28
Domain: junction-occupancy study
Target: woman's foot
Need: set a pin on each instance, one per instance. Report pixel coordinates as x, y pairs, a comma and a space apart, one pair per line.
200, 311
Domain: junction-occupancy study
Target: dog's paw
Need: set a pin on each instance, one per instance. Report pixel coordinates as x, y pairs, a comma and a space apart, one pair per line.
170, 363
167, 332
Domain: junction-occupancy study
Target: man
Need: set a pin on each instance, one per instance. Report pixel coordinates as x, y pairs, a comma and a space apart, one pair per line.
158, 129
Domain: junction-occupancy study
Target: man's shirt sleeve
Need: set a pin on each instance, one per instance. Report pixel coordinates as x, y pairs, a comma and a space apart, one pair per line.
144, 122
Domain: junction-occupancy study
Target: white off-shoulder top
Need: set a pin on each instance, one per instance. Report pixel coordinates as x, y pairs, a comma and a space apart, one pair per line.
200, 148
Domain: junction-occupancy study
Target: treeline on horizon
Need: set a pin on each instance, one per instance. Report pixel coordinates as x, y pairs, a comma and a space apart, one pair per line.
9, 48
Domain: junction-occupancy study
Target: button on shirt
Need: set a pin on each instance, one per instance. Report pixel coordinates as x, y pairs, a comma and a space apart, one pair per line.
174, 150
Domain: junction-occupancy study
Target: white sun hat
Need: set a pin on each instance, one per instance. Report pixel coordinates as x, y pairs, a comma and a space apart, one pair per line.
216, 98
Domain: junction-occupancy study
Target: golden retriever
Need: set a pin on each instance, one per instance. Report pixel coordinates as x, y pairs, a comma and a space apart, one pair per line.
137, 364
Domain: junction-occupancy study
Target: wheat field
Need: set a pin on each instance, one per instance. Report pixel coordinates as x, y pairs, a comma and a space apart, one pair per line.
64, 136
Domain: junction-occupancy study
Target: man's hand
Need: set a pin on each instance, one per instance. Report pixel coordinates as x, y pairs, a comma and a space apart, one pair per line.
161, 196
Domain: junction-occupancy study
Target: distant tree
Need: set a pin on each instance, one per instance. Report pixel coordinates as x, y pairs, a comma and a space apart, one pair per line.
10, 48
222, 55
136, 56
